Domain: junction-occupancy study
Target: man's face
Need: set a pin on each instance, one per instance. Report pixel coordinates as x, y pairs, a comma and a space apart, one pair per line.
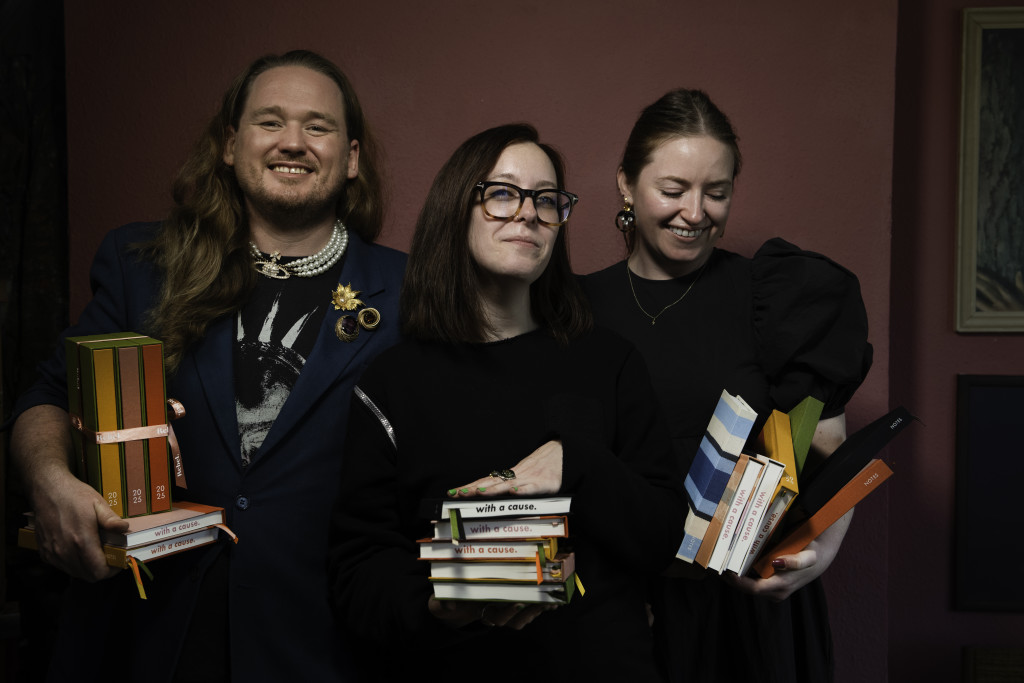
291, 152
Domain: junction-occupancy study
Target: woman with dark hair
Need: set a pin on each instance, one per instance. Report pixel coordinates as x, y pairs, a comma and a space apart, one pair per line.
502, 370
774, 329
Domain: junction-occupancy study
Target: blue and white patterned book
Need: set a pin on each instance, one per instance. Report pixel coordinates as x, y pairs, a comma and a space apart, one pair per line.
705, 482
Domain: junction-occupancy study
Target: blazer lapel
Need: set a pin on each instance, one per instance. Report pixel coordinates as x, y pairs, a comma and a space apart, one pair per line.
332, 357
212, 355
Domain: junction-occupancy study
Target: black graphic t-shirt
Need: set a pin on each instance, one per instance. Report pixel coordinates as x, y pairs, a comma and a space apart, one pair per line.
276, 331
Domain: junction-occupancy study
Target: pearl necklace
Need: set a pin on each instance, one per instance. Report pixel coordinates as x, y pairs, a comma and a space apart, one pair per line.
307, 266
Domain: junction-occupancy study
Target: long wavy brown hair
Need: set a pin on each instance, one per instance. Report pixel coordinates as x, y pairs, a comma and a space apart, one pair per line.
202, 249
440, 300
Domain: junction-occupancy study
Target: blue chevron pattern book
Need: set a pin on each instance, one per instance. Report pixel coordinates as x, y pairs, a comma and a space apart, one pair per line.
705, 482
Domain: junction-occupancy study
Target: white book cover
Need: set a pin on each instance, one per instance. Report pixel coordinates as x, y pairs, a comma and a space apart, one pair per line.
723, 543
472, 508
776, 509
529, 527
756, 508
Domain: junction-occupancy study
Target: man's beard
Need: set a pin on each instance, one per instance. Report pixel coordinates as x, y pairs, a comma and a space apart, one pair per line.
291, 209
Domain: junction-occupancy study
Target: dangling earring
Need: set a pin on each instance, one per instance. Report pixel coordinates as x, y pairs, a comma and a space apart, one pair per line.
625, 220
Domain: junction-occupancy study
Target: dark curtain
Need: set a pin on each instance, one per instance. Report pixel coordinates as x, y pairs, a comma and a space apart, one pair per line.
33, 289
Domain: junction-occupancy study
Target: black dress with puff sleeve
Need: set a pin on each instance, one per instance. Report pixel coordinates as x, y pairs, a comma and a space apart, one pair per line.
773, 329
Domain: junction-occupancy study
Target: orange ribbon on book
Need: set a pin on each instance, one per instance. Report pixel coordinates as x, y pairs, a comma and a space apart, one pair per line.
175, 411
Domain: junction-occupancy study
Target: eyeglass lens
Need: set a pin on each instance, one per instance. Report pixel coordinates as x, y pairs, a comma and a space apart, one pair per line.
503, 201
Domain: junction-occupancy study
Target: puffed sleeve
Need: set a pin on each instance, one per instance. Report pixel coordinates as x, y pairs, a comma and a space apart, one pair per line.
811, 326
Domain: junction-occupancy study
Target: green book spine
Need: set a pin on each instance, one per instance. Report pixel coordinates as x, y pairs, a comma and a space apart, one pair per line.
803, 421
75, 403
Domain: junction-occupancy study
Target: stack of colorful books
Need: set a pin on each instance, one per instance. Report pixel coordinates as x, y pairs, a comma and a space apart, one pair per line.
741, 504
501, 549
122, 442
184, 527
118, 405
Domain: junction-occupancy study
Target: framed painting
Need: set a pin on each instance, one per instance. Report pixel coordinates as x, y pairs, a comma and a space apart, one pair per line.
990, 246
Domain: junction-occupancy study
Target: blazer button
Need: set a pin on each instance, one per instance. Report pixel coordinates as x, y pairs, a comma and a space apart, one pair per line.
242, 502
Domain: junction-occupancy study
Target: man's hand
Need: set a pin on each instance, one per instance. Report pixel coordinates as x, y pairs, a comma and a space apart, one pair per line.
68, 512
67, 529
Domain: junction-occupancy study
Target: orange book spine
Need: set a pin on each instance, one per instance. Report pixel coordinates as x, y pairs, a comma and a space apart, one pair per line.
156, 413
866, 481
704, 554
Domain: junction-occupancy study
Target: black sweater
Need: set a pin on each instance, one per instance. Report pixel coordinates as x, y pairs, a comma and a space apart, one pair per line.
459, 412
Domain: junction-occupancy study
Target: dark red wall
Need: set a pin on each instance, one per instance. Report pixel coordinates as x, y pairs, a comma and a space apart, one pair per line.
925, 634
809, 85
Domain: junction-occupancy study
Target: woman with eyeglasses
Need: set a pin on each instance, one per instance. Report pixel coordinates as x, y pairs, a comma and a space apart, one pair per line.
503, 389
774, 329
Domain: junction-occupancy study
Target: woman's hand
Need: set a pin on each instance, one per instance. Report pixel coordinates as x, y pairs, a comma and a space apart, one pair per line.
538, 474
513, 615
793, 572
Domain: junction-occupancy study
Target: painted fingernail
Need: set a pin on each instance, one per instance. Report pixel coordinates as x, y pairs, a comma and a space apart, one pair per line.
515, 488
464, 491
779, 564
481, 489
452, 492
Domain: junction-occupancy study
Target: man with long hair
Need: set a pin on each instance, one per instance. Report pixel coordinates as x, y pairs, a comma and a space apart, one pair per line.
269, 297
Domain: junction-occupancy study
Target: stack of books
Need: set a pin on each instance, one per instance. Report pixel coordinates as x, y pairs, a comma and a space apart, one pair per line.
118, 405
501, 549
184, 527
741, 504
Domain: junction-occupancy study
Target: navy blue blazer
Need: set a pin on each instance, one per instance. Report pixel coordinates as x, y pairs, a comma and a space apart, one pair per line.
281, 627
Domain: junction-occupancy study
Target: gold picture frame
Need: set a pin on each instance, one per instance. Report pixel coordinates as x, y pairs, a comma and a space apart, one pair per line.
990, 245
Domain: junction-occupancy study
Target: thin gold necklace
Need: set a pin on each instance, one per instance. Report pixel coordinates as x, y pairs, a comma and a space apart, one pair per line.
654, 318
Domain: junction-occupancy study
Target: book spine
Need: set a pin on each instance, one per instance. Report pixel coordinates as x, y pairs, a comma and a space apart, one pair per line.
74, 370
825, 480
507, 529
773, 515
155, 413
136, 489
756, 508
866, 481
704, 554
118, 557
713, 465
560, 593
554, 571
724, 541
803, 421
99, 398
484, 508
176, 528
469, 550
